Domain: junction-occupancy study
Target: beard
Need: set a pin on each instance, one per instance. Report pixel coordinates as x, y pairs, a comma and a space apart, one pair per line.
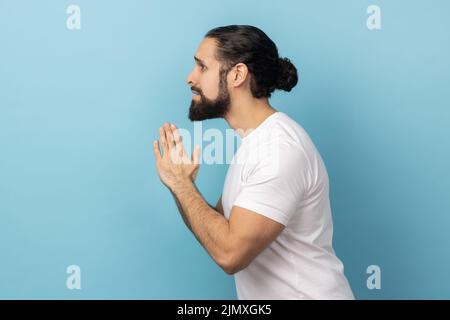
211, 109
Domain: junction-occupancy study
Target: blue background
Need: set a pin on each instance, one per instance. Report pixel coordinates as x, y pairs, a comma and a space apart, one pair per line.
79, 111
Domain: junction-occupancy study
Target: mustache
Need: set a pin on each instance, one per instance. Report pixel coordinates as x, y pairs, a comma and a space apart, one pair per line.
197, 90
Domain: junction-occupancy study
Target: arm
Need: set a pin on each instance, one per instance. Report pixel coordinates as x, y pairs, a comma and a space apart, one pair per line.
232, 243
180, 209
217, 208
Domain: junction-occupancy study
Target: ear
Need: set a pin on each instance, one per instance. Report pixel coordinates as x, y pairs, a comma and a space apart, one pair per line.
239, 74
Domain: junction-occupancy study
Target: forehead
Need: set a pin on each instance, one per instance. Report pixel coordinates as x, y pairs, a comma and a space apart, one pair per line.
206, 51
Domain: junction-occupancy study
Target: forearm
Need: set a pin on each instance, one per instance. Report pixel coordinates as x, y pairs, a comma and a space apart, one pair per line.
180, 209
209, 227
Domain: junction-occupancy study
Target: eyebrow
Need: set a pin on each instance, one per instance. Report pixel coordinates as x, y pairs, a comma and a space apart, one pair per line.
199, 60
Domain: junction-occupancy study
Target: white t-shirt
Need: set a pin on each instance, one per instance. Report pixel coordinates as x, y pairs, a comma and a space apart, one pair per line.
278, 173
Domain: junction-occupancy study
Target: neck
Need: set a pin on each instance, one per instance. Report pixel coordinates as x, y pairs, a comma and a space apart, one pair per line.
247, 115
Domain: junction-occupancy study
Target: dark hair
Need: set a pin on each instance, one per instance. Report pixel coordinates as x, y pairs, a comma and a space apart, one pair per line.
251, 46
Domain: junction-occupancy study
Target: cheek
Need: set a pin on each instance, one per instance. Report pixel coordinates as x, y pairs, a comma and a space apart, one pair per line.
210, 86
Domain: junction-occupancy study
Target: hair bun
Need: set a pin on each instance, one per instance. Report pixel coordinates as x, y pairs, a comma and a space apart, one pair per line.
287, 75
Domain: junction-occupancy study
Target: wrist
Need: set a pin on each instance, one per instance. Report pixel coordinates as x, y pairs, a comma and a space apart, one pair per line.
181, 184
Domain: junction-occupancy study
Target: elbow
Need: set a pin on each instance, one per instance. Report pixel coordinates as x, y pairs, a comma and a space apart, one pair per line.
230, 269
232, 263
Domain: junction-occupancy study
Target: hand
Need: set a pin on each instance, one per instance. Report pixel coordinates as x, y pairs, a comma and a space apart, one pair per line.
174, 165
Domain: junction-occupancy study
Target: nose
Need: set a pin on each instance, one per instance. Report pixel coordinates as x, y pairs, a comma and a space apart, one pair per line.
190, 79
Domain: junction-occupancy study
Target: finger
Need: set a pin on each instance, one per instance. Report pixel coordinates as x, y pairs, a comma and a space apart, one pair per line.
169, 136
156, 150
178, 141
196, 155
162, 136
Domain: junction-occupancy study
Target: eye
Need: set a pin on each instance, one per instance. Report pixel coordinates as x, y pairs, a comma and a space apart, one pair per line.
202, 67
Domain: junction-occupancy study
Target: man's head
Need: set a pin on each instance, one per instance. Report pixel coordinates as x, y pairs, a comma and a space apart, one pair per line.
234, 61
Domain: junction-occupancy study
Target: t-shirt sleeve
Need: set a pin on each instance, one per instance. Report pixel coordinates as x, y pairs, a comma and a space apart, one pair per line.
276, 184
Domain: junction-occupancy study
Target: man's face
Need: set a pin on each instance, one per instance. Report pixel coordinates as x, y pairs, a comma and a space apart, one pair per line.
210, 95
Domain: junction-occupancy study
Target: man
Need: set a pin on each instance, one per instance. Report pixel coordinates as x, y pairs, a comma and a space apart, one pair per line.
272, 226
